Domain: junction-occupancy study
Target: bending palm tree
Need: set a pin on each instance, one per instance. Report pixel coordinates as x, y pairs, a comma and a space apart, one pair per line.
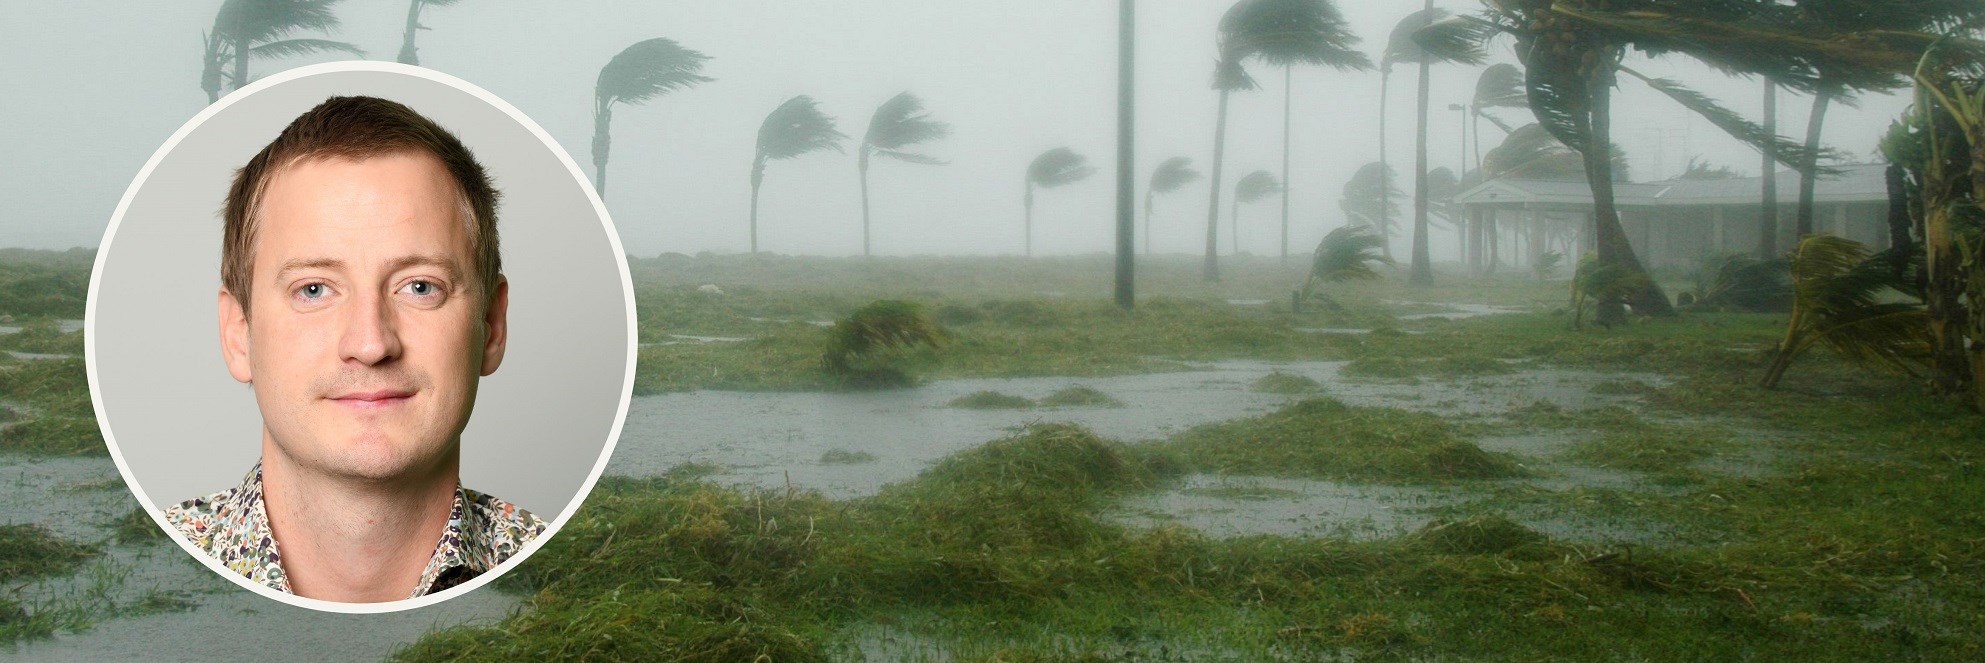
1368, 198
263, 29
1500, 86
897, 124
1836, 301
1252, 187
1282, 32
1402, 48
1057, 167
646, 70
408, 53
1346, 254
1170, 176
794, 128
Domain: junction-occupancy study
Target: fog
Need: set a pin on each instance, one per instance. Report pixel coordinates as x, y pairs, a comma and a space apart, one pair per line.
98, 85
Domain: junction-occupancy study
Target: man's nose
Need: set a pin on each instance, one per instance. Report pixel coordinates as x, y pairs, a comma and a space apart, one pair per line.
370, 335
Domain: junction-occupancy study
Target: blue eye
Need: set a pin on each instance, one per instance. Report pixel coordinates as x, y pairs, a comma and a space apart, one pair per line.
311, 291
421, 288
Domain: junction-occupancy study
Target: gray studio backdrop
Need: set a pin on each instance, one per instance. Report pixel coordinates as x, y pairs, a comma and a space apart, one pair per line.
185, 428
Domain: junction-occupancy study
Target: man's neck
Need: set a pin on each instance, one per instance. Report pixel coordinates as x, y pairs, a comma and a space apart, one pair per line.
354, 540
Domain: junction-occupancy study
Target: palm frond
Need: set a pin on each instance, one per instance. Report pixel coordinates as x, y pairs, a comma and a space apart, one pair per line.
1546, 264
1463, 39
1500, 86
1401, 47
1742, 283
1699, 169
901, 122
1345, 254
1290, 32
1057, 167
1372, 188
257, 21
1172, 174
910, 157
1836, 301
796, 127
1256, 186
646, 70
295, 47
1789, 152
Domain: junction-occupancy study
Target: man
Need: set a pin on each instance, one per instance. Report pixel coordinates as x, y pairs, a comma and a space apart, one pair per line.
362, 298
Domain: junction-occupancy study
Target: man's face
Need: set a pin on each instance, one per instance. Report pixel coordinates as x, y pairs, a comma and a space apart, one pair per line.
366, 332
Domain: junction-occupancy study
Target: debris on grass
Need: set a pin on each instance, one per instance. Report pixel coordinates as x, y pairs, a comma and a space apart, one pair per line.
1080, 396
1277, 382
32, 551
845, 457
990, 400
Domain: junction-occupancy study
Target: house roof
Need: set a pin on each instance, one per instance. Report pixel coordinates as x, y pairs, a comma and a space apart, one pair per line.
1855, 183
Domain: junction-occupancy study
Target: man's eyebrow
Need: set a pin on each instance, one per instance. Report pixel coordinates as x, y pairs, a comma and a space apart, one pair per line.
299, 264
442, 262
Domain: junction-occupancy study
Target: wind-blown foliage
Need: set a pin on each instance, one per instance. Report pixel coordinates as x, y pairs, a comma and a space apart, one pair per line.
1366, 203
1743, 283
1252, 187
640, 72
795, 128
855, 345
409, 53
899, 123
245, 29
1532, 153
1699, 169
1280, 32
1346, 254
1170, 175
1837, 302
1546, 264
1595, 282
1054, 168
1500, 86
1402, 48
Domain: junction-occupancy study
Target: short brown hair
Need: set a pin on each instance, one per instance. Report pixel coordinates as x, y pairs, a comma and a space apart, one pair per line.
356, 128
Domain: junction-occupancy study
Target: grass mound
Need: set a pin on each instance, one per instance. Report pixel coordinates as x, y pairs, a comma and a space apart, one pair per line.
1080, 396
1480, 535
693, 623
845, 457
1653, 449
1277, 382
990, 400
1327, 439
31, 551
136, 526
54, 436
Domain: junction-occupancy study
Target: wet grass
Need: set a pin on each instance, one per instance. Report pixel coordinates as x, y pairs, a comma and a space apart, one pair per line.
54, 417
845, 457
31, 551
1277, 382
991, 400
135, 526
1080, 396
1323, 438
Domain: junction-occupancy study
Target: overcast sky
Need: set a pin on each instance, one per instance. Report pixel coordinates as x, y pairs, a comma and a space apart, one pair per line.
96, 86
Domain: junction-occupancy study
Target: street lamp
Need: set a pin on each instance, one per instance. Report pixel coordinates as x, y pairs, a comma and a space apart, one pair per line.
1464, 136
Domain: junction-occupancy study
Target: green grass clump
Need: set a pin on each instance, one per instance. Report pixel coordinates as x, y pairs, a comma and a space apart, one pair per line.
1080, 396
31, 551
43, 336
136, 526
54, 436
1479, 535
845, 457
1655, 449
1277, 382
1326, 439
691, 623
1247, 492
990, 400
1469, 366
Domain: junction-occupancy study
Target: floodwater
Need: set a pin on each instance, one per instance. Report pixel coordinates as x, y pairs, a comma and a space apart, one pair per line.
66, 326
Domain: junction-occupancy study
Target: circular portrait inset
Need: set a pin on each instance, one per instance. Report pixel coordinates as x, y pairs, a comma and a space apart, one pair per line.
360, 337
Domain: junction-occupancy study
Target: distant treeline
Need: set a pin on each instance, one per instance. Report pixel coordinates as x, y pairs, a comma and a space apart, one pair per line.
44, 284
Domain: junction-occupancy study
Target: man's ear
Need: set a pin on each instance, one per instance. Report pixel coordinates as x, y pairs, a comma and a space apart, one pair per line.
234, 337
496, 326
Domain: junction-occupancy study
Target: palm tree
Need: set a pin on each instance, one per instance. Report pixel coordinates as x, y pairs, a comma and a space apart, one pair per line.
795, 128
1837, 301
1399, 48
1402, 48
262, 29
1252, 188
1346, 254
1368, 198
1054, 168
408, 53
897, 124
1768, 180
646, 70
1170, 176
1282, 32
1499, 86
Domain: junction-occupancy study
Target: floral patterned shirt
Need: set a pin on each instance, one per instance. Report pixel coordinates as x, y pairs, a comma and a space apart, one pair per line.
233, 527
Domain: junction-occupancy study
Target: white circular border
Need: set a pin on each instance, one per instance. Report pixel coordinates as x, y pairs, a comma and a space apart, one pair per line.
627, 295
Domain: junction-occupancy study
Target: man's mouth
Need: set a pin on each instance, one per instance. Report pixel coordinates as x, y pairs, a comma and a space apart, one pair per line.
374, 399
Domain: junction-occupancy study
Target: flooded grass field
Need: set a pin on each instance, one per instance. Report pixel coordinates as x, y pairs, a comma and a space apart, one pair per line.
1432, 473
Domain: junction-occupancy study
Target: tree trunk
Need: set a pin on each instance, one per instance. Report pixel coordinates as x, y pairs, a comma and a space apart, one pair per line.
1287, 90
757, 178
1614, 249
861, 164
1126, 294
1422, 272
1477, 222
1495, 247
1234, 224
1768, 206
1147, 221
1029, 224
240, 62
1898, 221
407, 51
1210, 271
1384, 225
1810, 164
602, 143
